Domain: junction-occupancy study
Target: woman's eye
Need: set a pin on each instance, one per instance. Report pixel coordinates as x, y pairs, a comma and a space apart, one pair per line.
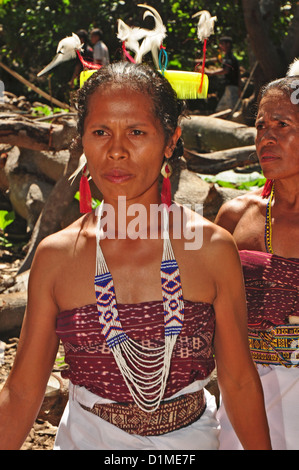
137, 132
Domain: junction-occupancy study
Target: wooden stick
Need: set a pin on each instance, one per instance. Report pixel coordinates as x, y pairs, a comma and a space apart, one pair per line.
244, 89
35, 88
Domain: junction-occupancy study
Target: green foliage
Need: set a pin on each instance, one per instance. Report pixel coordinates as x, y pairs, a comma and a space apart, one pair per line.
32, 30
236, 180
60, 362
45, 110
6, 218
94, 202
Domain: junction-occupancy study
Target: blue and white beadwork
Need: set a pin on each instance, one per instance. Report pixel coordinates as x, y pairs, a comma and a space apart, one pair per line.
144, 369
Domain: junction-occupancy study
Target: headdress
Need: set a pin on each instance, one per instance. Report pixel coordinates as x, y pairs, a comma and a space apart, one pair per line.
188, 85
205, 28
140, 41
67, 49
293, 69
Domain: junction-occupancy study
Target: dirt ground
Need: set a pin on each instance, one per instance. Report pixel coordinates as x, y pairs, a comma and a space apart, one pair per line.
42, 435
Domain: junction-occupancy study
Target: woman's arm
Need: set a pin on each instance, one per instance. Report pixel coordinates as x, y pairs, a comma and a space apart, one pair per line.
23, 393
238, 379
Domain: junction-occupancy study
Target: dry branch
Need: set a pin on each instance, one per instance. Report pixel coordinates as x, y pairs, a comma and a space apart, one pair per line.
35, 88
27, 133
215, 162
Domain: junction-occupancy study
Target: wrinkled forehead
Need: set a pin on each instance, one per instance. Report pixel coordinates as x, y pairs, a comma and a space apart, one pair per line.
278, 102
123, 89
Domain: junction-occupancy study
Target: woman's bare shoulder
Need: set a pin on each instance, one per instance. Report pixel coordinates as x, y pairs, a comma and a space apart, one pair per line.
208, 236
233, 210
61, 244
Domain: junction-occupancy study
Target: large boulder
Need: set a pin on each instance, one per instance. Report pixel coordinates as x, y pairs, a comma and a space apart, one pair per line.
190, 189
30, 177
207, 134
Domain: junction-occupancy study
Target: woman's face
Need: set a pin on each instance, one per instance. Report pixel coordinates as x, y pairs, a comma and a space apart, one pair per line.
124, 143
277, 139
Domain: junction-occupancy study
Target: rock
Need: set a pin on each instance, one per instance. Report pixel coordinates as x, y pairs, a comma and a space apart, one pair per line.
213, 388
4, 149
28, 195
56, 397
190, 189
12, 309
30, 177
206, 134
19, 283
48, 165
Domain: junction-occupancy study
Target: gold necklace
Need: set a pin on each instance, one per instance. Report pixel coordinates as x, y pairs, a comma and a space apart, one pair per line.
268, 223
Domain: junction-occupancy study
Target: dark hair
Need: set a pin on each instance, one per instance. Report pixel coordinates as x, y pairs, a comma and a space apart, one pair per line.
98, 32
287, 85
166, 106
82, 33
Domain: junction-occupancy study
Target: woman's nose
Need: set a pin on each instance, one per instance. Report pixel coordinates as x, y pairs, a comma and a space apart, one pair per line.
268, 135
118, 149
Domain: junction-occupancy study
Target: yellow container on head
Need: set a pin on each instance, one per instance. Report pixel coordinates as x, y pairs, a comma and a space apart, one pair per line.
186, 84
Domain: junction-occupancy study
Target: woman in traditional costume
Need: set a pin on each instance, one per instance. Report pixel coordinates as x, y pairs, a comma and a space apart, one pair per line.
141, 316
265, 226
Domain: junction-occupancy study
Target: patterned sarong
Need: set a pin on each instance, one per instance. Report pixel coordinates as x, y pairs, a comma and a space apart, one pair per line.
272, 286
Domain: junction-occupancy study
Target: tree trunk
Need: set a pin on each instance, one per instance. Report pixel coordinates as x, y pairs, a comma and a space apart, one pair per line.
26, 133
215, 162
291, 43
271, 63
51, 217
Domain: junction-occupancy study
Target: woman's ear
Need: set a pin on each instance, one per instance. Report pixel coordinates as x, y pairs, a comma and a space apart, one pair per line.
172, 142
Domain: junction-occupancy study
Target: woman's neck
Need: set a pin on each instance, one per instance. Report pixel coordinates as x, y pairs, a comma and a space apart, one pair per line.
138, 218
287, 194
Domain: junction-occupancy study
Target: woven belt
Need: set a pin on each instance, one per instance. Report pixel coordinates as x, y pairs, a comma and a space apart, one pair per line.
171, 415
277, 346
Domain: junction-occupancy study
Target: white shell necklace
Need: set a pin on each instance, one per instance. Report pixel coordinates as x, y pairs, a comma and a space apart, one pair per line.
144, 369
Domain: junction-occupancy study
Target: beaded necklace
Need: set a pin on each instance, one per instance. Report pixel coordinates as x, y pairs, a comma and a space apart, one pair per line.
268, 223
144, 369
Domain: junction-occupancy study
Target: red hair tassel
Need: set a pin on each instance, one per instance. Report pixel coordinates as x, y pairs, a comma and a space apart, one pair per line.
203, 64
267, 188
85, 194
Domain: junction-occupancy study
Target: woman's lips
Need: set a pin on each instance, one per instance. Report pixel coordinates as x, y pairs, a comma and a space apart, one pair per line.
118, 176
267, 157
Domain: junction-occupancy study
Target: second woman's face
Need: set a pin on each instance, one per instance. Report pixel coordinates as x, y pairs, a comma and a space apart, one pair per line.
124, 144
277, 139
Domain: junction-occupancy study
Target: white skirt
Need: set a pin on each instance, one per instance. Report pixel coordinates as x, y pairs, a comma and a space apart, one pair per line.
281, 393
81, 430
